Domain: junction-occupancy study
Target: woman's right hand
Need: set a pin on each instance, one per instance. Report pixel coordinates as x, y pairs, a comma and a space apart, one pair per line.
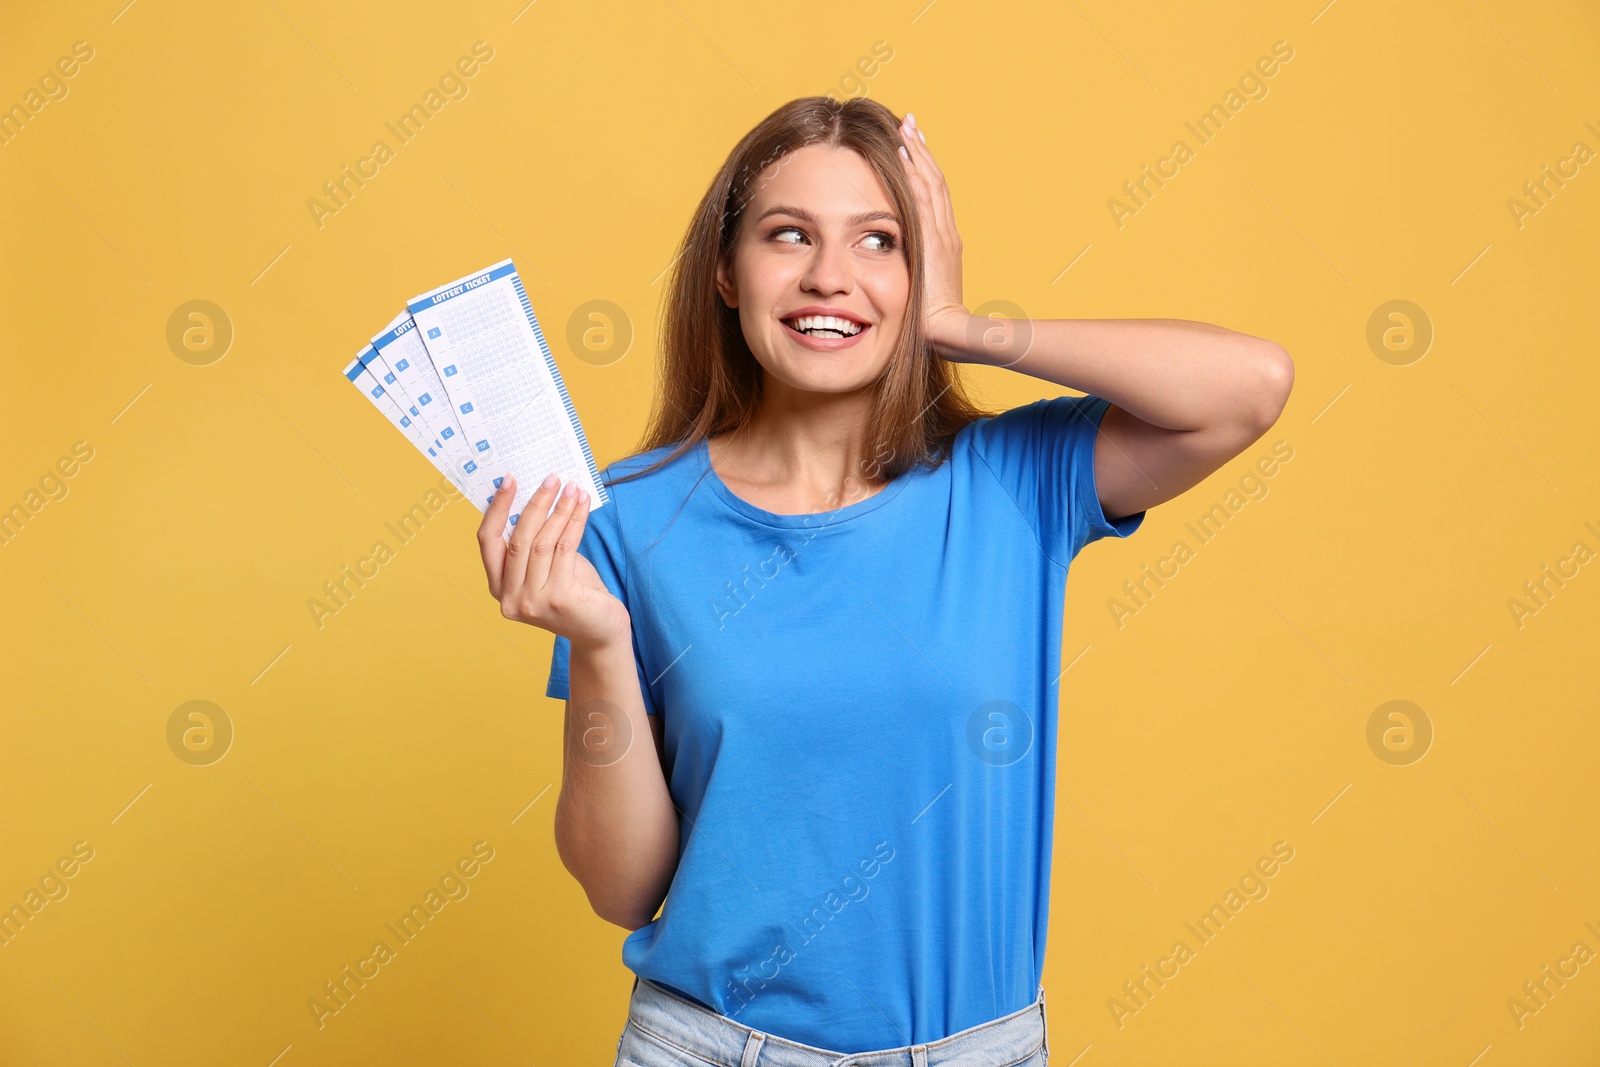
538, 575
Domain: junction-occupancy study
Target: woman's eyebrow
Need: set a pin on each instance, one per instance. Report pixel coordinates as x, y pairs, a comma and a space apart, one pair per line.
853, 220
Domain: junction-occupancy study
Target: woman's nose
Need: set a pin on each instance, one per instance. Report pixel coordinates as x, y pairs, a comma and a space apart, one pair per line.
828, 270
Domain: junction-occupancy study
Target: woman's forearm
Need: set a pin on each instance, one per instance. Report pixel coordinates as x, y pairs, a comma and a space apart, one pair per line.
1172, 373
615, 825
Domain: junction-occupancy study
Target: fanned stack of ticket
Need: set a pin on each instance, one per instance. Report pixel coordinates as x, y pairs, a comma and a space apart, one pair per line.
466, 374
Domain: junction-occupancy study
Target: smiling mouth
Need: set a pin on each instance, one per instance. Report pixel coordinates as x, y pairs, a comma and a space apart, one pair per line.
825, 327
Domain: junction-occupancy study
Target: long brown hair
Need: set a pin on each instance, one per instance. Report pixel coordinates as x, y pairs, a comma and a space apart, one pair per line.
708, 381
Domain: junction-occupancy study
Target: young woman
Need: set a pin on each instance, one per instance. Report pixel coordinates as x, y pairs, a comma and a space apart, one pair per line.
830, 590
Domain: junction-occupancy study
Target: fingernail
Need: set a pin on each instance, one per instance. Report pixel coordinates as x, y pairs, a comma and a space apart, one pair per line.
550, 482
903, 153
583, 497
571, 487
923, 136
911, 120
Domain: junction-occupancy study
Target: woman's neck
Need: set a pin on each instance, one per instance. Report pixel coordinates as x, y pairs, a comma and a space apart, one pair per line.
800, 453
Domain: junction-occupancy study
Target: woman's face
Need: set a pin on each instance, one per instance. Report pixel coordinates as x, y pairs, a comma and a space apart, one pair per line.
819, 240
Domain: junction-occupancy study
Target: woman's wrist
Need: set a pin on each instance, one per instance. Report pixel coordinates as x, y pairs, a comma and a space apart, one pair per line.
962, 337
603, 649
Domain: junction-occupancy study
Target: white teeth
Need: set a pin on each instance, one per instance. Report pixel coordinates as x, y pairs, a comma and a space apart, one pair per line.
843, 327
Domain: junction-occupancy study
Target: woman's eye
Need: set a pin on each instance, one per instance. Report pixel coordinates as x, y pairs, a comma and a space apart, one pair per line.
876, 241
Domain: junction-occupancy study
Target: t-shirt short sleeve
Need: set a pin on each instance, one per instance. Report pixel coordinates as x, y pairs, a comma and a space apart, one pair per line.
601, 545
1043, 455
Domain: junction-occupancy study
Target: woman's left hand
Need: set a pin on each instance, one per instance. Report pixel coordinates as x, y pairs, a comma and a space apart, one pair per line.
945, 316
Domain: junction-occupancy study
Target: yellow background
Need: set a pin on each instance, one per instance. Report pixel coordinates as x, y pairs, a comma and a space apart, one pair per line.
1228, 714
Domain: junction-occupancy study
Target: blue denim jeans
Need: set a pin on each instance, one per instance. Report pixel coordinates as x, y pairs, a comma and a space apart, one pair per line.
664, 1030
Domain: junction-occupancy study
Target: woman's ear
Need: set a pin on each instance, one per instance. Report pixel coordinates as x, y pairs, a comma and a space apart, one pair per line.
725, 286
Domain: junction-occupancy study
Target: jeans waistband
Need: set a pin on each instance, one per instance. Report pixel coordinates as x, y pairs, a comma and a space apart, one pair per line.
720, 1039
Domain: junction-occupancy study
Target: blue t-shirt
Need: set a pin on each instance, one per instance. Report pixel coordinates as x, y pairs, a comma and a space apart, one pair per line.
860, 728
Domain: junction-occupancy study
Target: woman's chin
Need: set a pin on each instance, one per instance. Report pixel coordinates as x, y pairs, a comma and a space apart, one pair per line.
823, 373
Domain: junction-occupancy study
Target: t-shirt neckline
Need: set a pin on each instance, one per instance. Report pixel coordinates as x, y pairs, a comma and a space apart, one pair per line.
789, 522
